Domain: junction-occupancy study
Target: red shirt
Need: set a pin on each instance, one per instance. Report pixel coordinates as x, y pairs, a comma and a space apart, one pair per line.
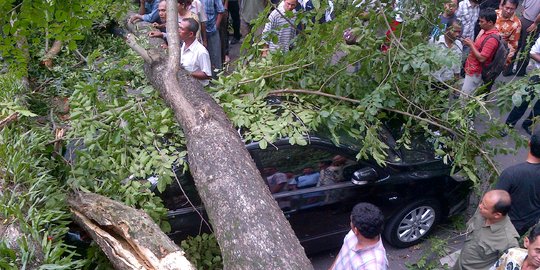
472, 65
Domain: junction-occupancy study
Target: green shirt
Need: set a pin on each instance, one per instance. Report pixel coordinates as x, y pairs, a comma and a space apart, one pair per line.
484, 244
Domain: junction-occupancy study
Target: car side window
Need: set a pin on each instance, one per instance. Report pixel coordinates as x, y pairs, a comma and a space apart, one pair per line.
176, 197
295, 167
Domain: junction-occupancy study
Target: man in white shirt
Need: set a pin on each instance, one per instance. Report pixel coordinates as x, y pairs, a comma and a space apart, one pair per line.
194, 56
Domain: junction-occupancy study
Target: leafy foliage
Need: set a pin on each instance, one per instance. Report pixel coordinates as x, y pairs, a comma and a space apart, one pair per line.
31, 193
203, 251
355, 90
119, 132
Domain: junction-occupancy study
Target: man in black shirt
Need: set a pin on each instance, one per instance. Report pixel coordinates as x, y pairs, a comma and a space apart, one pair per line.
522, 181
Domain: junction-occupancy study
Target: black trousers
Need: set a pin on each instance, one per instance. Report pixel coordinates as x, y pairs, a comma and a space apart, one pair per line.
517, 112
524, 56
234, 11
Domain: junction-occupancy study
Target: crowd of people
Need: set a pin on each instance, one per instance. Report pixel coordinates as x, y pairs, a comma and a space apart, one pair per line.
490, 37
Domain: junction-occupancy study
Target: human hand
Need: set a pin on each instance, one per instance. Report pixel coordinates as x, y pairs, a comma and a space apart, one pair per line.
134, 18
468, 42
532, 28
156, 25
155, 34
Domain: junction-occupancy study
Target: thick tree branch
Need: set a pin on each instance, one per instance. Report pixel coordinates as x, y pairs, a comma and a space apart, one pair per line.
132, 43
172, 37
53, 52
129, 237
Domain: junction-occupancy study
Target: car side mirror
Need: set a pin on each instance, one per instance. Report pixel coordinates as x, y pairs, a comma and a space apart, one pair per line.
364, 176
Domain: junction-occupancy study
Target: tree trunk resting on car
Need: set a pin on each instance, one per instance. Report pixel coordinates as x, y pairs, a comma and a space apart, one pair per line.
249, 225
129, 237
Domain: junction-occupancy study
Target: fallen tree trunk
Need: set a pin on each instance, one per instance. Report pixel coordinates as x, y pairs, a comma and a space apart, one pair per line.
129, 237
249, 225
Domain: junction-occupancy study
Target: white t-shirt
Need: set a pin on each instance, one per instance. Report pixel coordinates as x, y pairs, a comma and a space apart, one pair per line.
536, 50
196, 57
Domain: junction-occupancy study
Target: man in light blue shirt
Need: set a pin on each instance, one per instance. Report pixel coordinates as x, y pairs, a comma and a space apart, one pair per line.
148, 11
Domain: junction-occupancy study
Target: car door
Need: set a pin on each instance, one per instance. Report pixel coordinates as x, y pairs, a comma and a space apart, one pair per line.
319, 215
186, 214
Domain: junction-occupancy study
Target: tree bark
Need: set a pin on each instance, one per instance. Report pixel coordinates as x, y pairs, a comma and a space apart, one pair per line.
249, 225
129, 237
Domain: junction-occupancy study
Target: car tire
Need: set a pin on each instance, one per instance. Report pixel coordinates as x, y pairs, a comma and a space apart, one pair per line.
412, 224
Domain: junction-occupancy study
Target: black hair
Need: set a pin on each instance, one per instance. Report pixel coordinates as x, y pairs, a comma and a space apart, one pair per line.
367, 219
515, 2
193, 25
535, 232
535, 144
488, 14
451, 23
502, 206
326, 162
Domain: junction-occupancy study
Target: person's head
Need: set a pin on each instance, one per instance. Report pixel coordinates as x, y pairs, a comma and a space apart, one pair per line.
188, 29
453, 29
367, 220
339, 160
289, 5
495, 205
325, 164
509, 8
289, 175
474, 2
487, 18
534, 144
532, 244
182, 5
162, 10
450, 8
307, 170
267, 171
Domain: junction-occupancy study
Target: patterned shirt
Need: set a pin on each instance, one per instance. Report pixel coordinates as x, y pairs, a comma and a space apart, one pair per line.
280, 26
468, 15
509, 29
212, 8
511, 259
368, 258
472, 65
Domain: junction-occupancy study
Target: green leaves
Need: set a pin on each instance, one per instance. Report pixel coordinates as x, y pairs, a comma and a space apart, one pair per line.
203, 251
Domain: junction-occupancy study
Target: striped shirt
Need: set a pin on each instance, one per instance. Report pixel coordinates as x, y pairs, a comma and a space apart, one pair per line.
468, 15
213, 8
280, 26
369, 258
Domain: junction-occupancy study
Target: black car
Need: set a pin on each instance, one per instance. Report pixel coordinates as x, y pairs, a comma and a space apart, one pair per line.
414, 190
